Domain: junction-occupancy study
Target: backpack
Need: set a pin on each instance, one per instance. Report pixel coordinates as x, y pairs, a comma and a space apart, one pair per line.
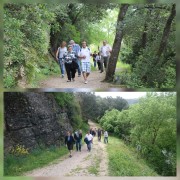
86, 140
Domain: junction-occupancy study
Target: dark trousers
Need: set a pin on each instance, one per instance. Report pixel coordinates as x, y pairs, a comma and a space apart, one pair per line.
104, 62
99, 138
79, 66
89, 146
99, 65
78, 145
94, 62
70, 71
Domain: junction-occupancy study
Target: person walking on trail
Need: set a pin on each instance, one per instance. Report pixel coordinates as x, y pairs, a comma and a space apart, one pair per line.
98, 60
78, 138
105, 51
62, 50
93, 132
89, 140
99, 135
85, 55
69, 141
94, 58
105, 137
70, 64
90, 131
76, 48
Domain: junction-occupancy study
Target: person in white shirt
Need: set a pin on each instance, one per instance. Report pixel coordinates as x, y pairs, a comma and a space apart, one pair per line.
89, 138
105, 137
62, 50
85, 55
105, 51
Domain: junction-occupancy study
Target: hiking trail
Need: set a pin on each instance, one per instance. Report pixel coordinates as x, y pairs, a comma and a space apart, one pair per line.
94, 82
84, 163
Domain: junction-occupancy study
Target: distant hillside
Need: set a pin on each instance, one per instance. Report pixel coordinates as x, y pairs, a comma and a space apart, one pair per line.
132, 101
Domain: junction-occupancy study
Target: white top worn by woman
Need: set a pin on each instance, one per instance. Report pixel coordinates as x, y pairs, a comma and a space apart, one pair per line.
62, 51
89, 137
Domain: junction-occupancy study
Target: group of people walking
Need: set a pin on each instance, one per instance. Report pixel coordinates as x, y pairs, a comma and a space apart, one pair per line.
76, 138
73, 57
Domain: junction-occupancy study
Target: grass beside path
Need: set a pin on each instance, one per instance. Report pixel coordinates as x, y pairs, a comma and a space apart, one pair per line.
123, 160
17, 165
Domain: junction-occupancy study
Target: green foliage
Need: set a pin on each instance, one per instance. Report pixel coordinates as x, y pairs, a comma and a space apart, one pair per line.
170, 74
158, 115
64, 99
125, 162
68, 32
94, 107
17, 165
141, 42
149, 126
109, 120
84, 127
26, 41
69, 102
32, 31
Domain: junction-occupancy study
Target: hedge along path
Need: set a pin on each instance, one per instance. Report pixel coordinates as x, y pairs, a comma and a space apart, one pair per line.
84, 163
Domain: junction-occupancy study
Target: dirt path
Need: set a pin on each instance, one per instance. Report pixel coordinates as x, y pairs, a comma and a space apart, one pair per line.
84, 163
94, 81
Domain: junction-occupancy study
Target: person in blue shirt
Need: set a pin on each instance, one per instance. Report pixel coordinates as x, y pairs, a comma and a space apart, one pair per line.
78, 139
76, 48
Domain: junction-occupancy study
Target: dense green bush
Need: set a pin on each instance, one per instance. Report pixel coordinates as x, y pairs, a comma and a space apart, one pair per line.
93, 107
141, 43
150, 127
68, 101
26, 41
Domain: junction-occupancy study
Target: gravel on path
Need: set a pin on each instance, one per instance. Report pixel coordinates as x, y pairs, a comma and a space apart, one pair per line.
84, 163
94, 81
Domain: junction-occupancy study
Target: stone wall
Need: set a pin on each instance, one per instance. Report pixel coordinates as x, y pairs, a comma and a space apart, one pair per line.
33, 119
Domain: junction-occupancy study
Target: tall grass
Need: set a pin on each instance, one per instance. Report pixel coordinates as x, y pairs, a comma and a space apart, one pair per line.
121, 65
17, 165
123, 161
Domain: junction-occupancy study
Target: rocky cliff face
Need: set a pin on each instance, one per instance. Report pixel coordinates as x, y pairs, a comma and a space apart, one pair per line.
33, 119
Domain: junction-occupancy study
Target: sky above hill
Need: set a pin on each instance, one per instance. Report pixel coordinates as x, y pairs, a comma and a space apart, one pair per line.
125, 95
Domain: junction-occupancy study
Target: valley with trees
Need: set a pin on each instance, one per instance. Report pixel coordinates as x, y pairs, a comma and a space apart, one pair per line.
142, 136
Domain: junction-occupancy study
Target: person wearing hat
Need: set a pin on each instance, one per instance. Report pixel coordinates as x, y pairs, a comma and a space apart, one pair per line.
105, 51
76, 48
70, 64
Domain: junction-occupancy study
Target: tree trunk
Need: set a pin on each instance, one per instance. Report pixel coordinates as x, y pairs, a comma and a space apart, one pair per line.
166, 33
144, 36
117, 43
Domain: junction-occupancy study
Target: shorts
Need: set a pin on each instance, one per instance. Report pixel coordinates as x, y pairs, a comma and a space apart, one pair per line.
86, 67
70, 146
